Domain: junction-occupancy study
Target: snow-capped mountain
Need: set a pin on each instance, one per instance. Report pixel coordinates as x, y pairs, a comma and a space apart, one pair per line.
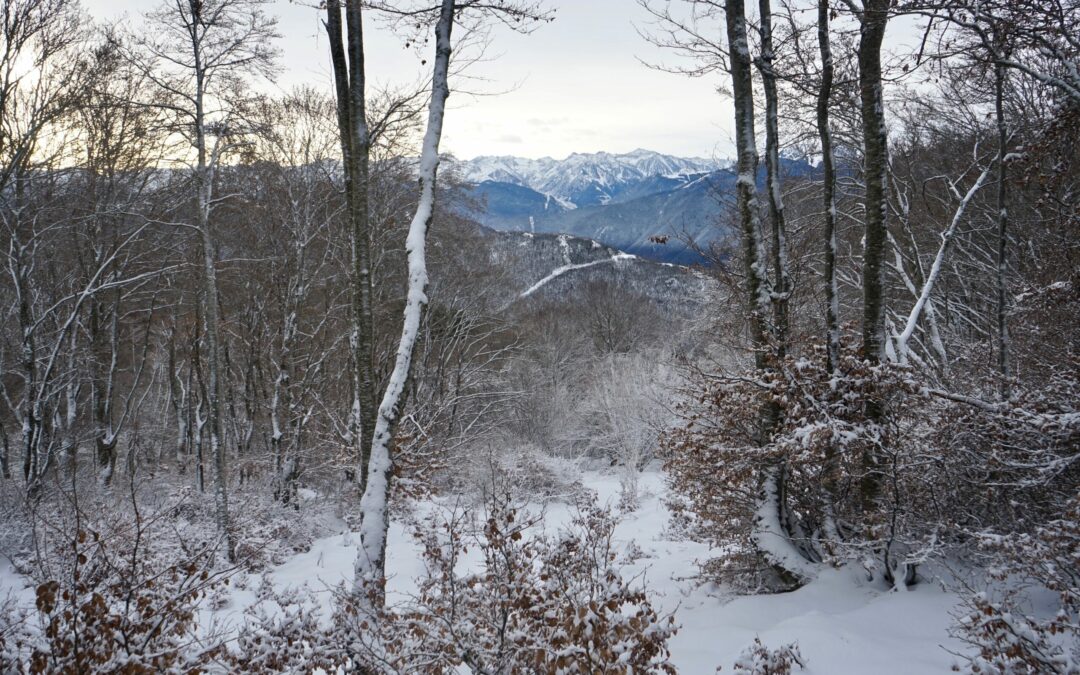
584, 179
643, 202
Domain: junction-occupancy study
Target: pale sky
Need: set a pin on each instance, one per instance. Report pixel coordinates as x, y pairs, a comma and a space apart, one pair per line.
574, 85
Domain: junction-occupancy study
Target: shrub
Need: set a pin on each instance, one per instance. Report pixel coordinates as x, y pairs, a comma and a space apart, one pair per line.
1007, 639
537, 604
840, 476
760, 660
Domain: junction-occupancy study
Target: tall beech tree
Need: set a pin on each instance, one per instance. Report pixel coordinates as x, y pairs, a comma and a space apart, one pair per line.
828, 191
873, 18
350, 87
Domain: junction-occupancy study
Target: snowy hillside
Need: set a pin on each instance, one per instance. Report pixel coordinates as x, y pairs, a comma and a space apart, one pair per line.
555, 265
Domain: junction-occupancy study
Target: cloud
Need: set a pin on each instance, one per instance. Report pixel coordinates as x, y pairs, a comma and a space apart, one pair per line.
510, 138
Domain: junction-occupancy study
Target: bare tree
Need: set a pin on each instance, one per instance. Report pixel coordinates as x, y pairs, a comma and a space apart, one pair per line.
828, 167
873, 17
350, 83
371, 559
198, 52
42, 78
781, 283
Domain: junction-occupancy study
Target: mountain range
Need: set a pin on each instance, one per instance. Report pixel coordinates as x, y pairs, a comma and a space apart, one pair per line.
643, 202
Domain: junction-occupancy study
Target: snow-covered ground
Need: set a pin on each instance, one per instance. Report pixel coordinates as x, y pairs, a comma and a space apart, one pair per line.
842, 624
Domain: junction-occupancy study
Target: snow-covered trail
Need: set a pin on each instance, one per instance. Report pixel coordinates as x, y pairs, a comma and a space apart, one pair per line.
842, 625
559, 271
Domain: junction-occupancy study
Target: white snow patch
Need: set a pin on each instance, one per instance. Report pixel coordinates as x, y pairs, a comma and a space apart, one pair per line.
559, 271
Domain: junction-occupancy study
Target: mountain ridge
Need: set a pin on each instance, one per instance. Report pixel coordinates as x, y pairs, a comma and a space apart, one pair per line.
582, 179
658, 206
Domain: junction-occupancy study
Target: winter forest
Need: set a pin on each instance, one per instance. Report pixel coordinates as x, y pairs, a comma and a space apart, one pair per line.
287, 386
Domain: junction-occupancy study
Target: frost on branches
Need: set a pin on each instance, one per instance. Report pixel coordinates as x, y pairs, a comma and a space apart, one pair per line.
537, 604
1010, 638
805, 496
116, 601
760, 660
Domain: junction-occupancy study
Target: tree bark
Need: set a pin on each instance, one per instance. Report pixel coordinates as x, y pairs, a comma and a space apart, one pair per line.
874, 18
350, 89
1003, 356
781, 288
757, 284
370, 569
774, 543
204, 194
832, 301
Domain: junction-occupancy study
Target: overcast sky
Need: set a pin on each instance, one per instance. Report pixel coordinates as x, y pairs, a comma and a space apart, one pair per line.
574, 85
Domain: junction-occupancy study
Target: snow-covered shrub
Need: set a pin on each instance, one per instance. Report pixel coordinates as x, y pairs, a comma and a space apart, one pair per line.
1008, 638
534, 474
1017, 462
283, 634
841, 477
536, 603
758, 659
120, 600
622, 414
13, 635
267, 532
1008, 642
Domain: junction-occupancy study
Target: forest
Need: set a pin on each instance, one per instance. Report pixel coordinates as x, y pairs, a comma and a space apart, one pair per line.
273, 400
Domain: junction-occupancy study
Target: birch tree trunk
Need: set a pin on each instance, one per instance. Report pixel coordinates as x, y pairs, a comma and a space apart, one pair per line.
370, 568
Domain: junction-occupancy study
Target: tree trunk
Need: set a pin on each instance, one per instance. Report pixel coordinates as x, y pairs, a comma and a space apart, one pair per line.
204, 193
832, 300
781, 289
757, 285
768, 539
104, 351
350, 88
1003, 363
370, 567
873, 20
875, 164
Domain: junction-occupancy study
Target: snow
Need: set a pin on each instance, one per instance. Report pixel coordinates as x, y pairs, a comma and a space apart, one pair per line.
769, 536
562, 179
559, 271
842, 624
